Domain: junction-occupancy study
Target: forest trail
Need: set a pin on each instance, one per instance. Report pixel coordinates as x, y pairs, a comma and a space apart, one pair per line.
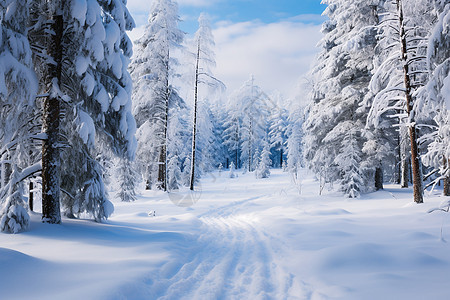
233, 258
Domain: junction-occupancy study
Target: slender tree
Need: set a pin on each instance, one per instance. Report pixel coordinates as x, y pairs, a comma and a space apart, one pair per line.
204, 61
151, 70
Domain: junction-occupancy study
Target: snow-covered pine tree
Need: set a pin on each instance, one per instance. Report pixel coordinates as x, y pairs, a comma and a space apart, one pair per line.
340, 81
349, 158
263, 169
277, 134
218, 116
232, 170
178, 140
96, 90
127, 178
404, 27
101, 112
18, 88
151, 71
251, 106
231, 135
294, 144
434, 98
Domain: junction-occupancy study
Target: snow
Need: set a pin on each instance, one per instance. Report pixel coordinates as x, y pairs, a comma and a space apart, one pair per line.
238, 238
446, 91
81, 64
86, 128
78, 10
103, 99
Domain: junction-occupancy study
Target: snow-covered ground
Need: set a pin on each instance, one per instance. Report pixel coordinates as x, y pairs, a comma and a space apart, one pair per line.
239, 238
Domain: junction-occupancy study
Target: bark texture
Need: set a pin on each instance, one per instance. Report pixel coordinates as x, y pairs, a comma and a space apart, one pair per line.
415, 159
50, 125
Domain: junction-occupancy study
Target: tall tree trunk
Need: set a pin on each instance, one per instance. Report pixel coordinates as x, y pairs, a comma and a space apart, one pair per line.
250, 143
404, 171
5, 170
237, 146
378, 178
194, 131
50, 125
398, 180
30, 196
404, 163
446, 165
415, 159
281, 158
162, 167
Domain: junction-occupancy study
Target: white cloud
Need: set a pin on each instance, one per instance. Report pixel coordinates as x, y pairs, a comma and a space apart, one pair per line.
144, 5
277, 54
198, 3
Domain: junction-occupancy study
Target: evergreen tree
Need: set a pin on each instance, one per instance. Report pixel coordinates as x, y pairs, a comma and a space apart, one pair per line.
151, 70
127, 178
294, 142
251, 106
18, 87
94, 97
263, 169
277, 131
433, 99
340, 81
404, 27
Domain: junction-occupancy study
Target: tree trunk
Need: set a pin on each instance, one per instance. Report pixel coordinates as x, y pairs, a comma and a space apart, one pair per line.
50, 125
404, 171
446, 191
281, 158
415, 159
194, 131
398, 162
30, 196
378, 179
5, 170
162, 168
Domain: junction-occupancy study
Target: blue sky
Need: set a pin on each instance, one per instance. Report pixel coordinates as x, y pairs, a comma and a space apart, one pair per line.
267, 11
274, 40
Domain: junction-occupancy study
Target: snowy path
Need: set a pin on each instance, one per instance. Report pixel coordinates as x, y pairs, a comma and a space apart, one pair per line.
232, 260
242, 239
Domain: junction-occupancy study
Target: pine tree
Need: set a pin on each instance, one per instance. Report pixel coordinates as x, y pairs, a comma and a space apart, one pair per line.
294, 142
277, 134
232, 170
433, 99
401, 71
178, 140
250, 105
18, 88
127, 180
340, 82
151, 71
95, 100
263, 169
